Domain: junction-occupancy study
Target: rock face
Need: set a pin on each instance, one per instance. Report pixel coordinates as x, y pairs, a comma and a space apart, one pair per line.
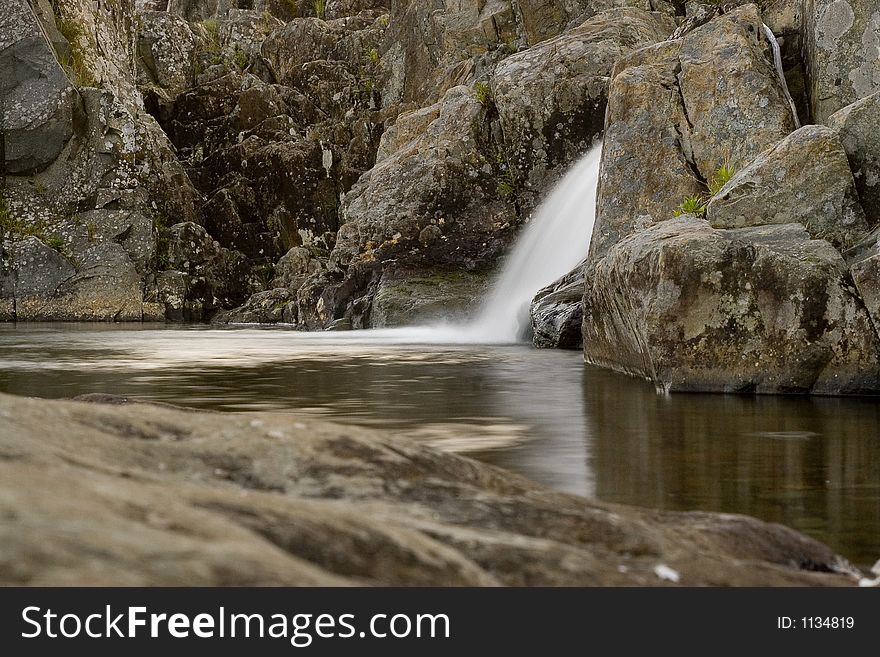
804, 179
39, 122
677, 112
426, 297
551, 98
842, 53
759, 298
452, 180
763, 309
95, 494
858, 126
557, 312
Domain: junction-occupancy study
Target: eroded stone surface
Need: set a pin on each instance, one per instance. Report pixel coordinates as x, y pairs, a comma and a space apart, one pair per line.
150, 495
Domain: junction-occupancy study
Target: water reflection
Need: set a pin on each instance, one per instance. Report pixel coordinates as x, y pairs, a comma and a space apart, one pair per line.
811, 463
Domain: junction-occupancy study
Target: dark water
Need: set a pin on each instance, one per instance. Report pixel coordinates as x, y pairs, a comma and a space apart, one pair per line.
810, 463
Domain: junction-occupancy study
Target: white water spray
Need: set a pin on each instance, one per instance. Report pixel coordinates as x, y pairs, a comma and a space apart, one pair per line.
777, 62
554, 242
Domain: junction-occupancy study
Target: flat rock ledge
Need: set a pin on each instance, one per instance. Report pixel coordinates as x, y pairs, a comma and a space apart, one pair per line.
145, 494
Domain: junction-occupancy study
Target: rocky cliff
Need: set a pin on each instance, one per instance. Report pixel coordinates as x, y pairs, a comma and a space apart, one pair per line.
359, 163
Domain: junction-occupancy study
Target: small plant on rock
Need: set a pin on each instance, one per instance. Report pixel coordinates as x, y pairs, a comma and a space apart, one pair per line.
55, 242
721, 178
373, 55
483, 93
695, 205
240, 57
319, 6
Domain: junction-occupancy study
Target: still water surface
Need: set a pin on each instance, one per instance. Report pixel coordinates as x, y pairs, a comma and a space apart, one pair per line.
810, 463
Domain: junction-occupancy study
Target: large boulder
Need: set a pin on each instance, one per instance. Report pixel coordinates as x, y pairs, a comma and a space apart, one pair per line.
150, 495
444, 177
842, 53
763, 309
680, 110
551, 98
804, 179
858, 126
39, 100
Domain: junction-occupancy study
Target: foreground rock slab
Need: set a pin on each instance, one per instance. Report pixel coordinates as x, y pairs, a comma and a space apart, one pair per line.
111, 494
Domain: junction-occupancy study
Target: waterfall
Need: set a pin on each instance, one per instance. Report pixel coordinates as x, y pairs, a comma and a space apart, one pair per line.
777, 61
552, 244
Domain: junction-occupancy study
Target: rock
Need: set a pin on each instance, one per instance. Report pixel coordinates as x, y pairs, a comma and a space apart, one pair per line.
858, 126
551, 98
557, 312
439, 175
295, 267
166, 51
804, 179
678, 111
95, 494
37, 273
201, 275
433, 46
269, 307
38, 118
763, 309
842, 53
426, 297
106, 287
343, 8
291, 50
866, 276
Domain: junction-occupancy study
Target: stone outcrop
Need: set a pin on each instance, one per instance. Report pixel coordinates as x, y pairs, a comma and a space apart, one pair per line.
842, 53
764, 309
804, 179
95, 494
758, 295
677, 112
38, 99
858, 126
452, 181
551, 98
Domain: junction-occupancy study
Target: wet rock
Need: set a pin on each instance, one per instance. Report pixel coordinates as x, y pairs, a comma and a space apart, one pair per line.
551, 98
804, 179
858, 126
557, 312
762, 309
426, 297
39, 110
150, 495
678, 111
842, 53
268, 307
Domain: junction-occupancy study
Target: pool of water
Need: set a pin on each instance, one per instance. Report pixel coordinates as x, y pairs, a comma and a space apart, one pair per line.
810, 463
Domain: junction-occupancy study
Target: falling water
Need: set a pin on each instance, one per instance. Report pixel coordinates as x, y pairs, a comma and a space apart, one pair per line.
554, 242
777, 62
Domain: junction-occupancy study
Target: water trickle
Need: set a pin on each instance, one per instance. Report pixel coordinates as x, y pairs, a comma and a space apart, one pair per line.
555, 241
777, 62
